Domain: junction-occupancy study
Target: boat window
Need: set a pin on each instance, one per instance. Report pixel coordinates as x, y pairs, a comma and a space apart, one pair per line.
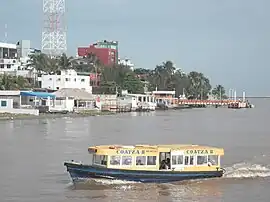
151, 160
213, 159
115, 160
186, 160
140, 160
100, 159
177, 160
201, 160
126, 160
191, 160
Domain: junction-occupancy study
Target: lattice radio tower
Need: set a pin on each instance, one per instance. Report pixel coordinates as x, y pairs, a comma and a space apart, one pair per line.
54, 39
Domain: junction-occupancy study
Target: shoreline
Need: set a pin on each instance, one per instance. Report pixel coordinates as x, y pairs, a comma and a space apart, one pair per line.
10, 116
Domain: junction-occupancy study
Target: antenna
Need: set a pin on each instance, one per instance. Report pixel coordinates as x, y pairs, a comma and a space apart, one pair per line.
6, 33
54, 40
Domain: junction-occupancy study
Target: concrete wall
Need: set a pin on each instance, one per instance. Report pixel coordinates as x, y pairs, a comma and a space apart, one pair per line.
6, 103
62, 105
20, 111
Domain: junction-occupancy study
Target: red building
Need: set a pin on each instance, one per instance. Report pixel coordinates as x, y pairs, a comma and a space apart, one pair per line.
107, 56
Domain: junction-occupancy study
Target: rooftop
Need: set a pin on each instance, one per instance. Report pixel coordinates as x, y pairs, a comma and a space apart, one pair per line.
37, 94
75, 93
144, 146
8, 45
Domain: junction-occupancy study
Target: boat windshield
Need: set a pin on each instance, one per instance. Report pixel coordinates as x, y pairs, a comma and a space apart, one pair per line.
100, 159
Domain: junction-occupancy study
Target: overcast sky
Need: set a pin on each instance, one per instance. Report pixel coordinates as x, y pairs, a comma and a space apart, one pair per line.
229, 41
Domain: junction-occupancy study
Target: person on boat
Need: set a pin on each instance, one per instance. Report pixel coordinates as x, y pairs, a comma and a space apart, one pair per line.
168, 163
139, 162
163, 165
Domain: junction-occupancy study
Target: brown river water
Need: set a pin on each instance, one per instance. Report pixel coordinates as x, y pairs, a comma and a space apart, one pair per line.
32, 153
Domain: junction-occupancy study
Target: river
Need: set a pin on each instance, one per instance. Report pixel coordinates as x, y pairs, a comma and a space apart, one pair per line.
33, 152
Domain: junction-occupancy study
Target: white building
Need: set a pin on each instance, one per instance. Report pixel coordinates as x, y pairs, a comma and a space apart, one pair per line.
8, 57
126, 62
8, 50
14, 57
67, 79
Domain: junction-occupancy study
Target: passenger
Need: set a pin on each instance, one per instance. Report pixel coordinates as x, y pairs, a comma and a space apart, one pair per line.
163, 165
139, 162
168, 163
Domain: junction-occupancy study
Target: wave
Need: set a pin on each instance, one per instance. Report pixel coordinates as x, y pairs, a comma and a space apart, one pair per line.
113, 181
247, 170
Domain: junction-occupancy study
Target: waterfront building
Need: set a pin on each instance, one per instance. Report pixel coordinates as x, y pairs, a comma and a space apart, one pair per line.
8, 57
126, 62
14, 58
106, 51
66, 79
165, 97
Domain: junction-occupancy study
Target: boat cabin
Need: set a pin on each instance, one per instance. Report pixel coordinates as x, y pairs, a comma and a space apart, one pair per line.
157, 157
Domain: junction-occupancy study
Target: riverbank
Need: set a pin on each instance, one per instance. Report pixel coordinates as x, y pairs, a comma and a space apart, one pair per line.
86, 113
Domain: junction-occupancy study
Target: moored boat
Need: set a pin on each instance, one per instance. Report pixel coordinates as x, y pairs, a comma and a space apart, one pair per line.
149, 163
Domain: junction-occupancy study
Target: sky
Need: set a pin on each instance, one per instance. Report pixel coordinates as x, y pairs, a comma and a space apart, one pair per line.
228, 41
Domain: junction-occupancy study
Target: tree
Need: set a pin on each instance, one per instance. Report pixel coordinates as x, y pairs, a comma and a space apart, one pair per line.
115, 78
38, 62
141, 71
8, 82
219, 92
162, 76
132, 84
120, 77
199, 87
64, 62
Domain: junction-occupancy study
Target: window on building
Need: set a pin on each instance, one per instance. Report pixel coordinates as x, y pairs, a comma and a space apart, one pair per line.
151, 160
50, 79
3, 103
58, 79
126, 160
67, 79
8, 66
201, 160
2, 66
177, 159
115, 160
82, 80
140, 160
75, 79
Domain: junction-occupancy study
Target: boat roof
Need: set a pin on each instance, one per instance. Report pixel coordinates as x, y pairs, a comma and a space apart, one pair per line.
160, 147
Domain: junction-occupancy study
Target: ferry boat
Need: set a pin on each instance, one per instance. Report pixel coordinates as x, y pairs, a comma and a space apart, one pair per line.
149, 163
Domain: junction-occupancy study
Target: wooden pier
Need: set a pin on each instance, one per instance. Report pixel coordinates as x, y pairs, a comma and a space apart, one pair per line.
204, 103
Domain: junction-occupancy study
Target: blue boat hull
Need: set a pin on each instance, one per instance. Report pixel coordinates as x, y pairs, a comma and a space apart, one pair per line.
80, 172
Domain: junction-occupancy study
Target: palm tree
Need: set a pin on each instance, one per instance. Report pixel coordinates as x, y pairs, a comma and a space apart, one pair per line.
39, 62
219, 92
65, 62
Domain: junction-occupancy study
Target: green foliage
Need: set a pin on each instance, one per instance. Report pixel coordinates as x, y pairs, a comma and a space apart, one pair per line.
219, 92
200, 86
8, 82
119, 77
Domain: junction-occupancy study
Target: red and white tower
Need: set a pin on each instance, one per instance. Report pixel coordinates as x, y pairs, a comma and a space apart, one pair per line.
54, 37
